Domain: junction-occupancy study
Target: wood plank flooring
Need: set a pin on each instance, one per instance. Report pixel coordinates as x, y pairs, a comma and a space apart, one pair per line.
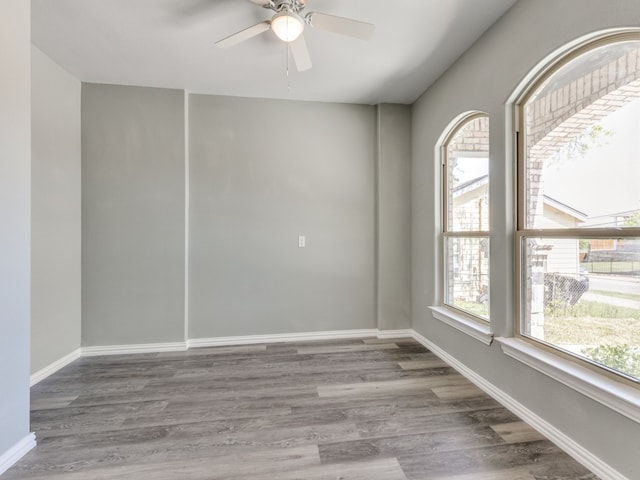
342, 410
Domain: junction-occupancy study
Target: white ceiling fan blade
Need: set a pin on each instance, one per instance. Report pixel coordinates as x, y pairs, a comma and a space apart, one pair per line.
300, 54
343, 26
243, 35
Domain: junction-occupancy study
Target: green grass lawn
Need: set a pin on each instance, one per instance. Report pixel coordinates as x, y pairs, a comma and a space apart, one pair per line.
610, 334
479, 309
592, 323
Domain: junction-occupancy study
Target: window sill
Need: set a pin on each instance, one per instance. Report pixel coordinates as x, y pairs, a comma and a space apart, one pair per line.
465, 325
617, 396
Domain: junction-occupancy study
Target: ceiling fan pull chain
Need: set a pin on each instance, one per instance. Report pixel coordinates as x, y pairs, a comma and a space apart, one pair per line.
288, 80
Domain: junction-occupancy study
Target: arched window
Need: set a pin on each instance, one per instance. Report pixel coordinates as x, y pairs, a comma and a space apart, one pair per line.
465, 155
578, 232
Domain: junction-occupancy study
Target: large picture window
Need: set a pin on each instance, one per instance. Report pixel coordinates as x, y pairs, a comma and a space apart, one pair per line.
466, 216
579, 206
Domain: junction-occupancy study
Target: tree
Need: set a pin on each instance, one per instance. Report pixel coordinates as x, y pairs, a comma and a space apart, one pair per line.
623, 358
593, 137
632, 220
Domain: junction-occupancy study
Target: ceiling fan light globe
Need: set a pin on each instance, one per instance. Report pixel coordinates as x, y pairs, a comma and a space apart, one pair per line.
287, 26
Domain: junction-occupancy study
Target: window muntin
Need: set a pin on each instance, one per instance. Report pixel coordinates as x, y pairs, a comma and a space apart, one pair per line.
467, 274
579, 207
466, 216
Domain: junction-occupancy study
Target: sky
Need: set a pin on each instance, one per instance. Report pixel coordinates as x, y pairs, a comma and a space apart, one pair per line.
468, 168
583, 181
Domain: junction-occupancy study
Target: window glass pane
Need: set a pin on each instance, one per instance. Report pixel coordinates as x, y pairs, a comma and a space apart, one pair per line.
467, 274
582, 295
582, 137
468, 178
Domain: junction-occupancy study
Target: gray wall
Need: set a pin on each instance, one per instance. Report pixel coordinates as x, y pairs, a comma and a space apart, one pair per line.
483, 79
133, 216
394, 217
55, 212
15, 202
263, 172
250, 199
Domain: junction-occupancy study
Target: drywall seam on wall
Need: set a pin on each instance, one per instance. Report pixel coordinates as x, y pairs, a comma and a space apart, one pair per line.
186, 215
392, 216
376, 219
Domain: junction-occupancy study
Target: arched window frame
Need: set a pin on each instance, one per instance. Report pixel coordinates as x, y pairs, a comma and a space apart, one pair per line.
523, 231
448, 233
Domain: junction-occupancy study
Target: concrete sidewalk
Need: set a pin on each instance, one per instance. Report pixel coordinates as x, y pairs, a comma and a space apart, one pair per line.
616, 301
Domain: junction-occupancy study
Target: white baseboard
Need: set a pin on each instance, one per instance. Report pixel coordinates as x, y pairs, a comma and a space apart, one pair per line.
395, 333
240, 340
577, 451
209, 342
281, 337
15, 453
54, 367
130, 349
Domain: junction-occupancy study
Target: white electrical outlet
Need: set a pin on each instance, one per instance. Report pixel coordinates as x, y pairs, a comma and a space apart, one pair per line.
302, 241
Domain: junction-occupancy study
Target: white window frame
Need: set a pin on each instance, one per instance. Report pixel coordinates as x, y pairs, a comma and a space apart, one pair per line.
543, 356
467, 322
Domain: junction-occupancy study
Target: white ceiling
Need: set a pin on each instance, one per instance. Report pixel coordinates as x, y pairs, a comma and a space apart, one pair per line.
170, 43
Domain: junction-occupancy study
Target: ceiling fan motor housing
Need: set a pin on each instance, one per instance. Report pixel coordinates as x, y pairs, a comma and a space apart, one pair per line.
294, 6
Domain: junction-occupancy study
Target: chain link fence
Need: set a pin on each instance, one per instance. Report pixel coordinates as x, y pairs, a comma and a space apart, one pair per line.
610, 266
564, 290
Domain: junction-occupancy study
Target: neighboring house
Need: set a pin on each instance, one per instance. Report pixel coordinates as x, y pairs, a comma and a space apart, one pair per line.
564, 254
560, 256
619, 219
470, 261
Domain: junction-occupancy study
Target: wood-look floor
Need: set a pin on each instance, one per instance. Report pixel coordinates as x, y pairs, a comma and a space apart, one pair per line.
341, 410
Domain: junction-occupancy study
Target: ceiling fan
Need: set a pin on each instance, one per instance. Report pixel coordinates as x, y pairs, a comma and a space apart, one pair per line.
288, 23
